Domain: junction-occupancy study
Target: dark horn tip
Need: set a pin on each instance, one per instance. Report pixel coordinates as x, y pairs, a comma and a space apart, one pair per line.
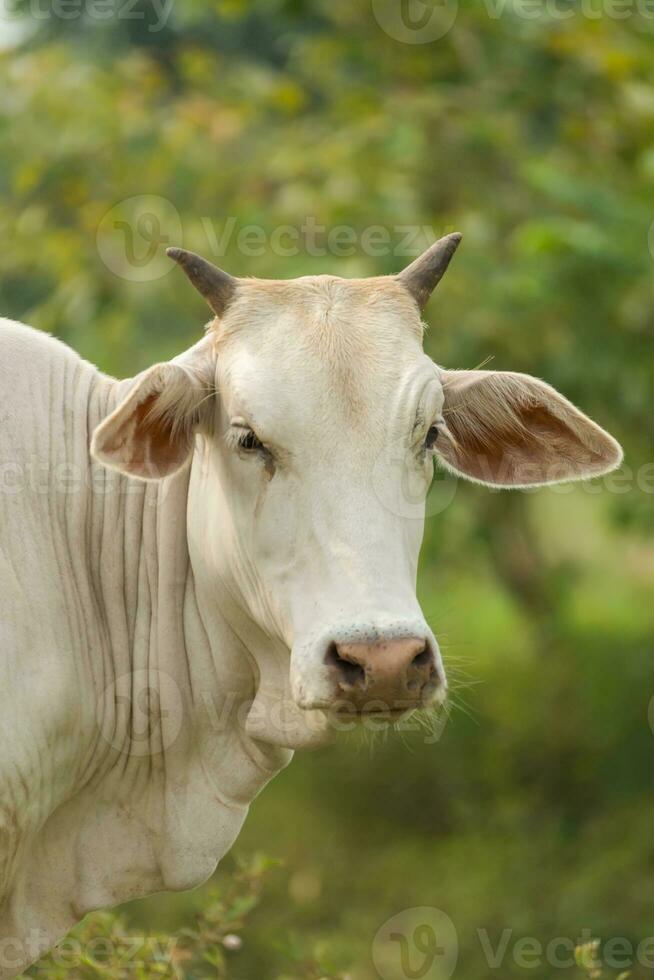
174, 253
424, 274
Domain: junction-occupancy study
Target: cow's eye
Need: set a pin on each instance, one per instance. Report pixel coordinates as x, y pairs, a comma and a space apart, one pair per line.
432, 436
249, 443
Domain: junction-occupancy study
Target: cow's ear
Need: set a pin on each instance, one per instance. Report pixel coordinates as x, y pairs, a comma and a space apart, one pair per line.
150, 434
512, 430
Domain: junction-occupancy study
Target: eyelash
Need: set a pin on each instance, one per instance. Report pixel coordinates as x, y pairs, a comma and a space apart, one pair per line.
245, 440
432, 437
249, 443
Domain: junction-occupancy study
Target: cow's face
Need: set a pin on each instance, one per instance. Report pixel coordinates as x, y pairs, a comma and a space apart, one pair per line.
327, 418
316, 417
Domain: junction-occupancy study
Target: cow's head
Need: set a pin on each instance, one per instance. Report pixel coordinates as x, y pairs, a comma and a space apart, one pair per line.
312, 412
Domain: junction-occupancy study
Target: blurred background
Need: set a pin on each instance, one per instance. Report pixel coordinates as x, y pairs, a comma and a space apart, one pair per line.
530, 128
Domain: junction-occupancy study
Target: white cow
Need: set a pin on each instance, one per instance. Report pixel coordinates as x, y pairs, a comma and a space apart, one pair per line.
236, 571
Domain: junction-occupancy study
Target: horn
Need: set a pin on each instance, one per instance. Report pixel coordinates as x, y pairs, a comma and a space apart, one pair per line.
216, 286
423, 275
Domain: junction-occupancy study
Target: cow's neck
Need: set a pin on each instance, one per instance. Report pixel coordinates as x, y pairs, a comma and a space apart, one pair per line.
148, 773
168, 770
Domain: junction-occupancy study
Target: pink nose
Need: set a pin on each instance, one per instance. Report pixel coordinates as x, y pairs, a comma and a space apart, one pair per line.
387, 675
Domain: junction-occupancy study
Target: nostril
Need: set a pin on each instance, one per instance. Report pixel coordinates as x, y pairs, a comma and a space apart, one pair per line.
422, 659
423, 672
350, 674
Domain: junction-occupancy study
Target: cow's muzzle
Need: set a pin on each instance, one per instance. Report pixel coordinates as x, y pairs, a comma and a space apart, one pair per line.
385, 676
369, 668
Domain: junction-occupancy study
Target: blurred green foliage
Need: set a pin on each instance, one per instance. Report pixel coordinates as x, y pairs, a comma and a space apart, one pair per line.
104, 945
534, 136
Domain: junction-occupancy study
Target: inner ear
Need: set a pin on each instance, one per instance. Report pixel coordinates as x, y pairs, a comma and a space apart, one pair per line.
532, 446
150, 435
507, 429
156, 448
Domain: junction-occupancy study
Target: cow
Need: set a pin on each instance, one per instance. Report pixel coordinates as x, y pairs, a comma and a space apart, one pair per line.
207, 566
